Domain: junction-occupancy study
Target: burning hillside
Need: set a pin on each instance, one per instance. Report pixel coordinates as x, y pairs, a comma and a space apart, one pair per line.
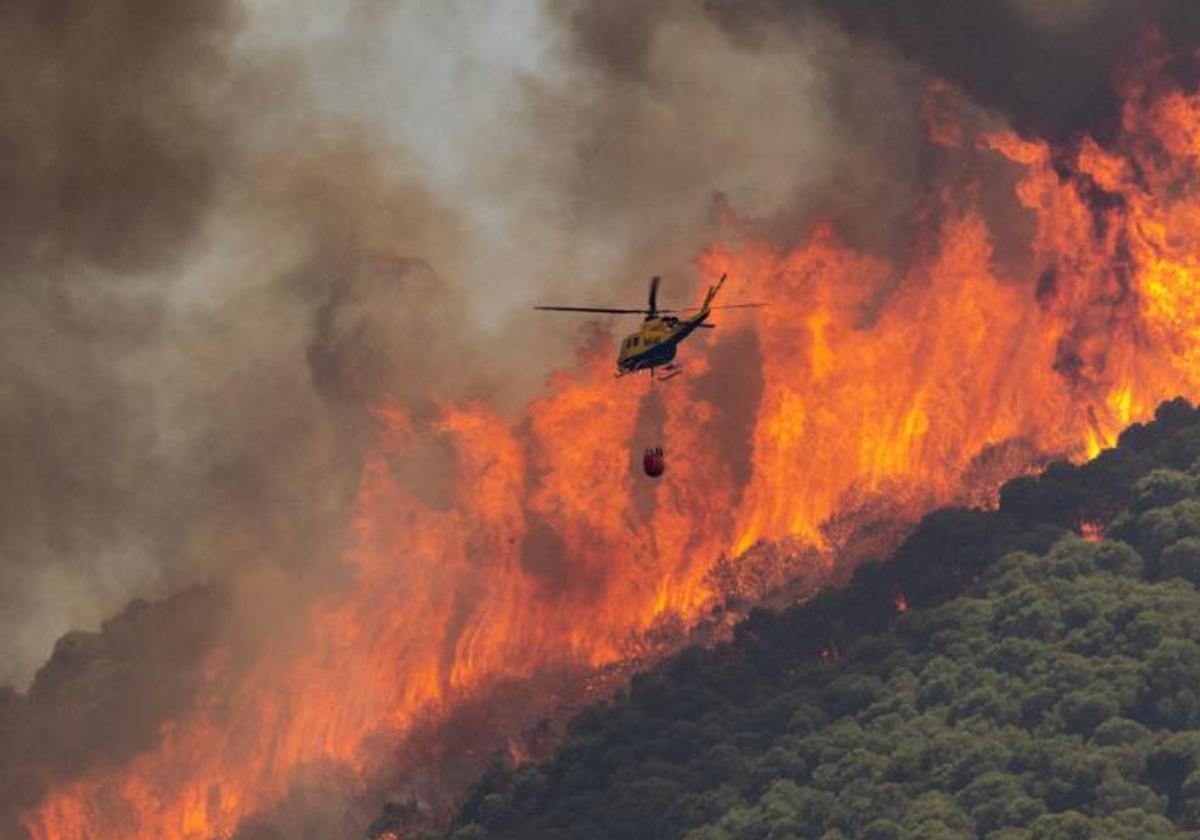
1043, 298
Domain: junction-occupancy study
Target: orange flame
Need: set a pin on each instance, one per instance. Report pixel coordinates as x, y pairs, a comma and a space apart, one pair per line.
877, 379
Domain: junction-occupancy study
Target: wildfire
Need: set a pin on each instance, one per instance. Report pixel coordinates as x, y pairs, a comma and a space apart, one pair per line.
878, 378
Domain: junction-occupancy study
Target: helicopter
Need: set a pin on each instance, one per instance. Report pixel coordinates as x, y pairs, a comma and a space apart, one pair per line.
655, 343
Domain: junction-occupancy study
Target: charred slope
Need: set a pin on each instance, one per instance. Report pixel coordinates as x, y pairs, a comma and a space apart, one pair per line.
1000, 677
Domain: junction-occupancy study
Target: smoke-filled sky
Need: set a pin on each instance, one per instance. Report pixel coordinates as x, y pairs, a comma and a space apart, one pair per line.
230, 228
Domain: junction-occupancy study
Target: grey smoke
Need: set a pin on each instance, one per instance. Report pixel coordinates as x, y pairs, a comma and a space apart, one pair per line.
233, 228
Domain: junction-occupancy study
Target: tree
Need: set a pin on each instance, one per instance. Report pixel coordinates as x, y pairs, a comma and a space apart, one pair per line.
1162, 487
1181, 559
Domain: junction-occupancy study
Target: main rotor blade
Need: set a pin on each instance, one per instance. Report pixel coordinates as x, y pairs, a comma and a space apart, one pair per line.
605, 311
593, 309
721, 306
654, 281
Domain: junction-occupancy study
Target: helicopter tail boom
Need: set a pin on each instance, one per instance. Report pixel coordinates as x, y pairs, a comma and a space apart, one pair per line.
706, 307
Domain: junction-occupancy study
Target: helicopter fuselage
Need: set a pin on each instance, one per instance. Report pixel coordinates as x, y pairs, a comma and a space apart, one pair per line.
655, 343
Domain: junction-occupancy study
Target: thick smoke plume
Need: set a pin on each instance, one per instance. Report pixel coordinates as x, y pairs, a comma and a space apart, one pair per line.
1047, 66
109, 165
220, 250
230, 231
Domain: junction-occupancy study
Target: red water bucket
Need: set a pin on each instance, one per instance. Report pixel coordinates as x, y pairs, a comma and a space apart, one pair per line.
653, 462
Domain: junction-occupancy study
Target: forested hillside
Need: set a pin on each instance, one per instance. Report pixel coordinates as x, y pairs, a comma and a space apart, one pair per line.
1000, 677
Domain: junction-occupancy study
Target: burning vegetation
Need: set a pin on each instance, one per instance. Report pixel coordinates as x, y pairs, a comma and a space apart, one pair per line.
1043, 297
1041, 685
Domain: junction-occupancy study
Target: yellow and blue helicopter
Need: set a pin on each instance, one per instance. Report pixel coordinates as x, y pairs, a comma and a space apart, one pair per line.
655, 343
